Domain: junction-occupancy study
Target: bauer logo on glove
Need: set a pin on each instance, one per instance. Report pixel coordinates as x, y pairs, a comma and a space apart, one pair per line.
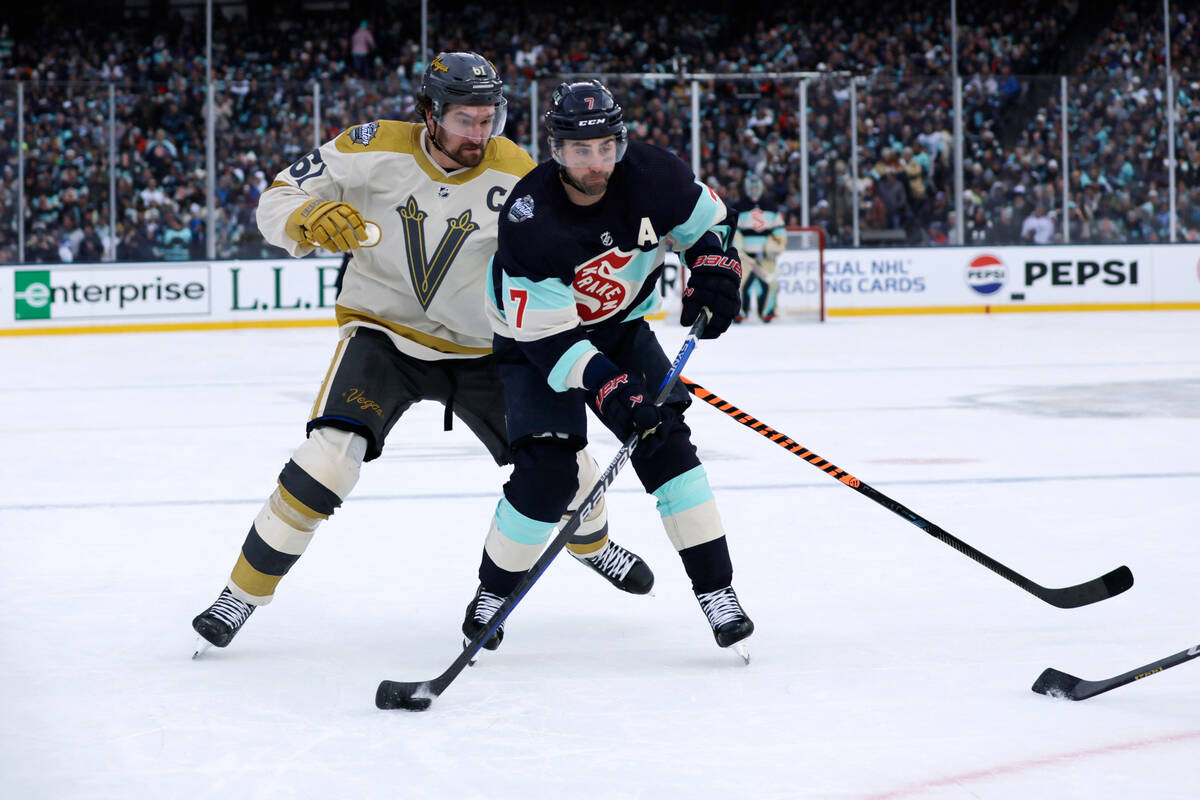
715, 284
718, 260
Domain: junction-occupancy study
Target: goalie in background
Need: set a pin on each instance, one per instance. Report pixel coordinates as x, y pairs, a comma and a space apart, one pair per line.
760, 238
410, 316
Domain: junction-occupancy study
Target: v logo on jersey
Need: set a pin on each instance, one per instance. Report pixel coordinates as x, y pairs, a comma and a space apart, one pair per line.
428, 273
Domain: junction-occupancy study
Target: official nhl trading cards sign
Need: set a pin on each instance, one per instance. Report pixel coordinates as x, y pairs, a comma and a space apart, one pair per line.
100, 292
959, 279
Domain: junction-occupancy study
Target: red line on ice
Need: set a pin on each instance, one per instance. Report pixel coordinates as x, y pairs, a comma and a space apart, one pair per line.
1021, 766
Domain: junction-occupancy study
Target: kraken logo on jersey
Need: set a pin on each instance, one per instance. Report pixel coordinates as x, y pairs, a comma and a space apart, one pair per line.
428, 273
757, 220
599, 291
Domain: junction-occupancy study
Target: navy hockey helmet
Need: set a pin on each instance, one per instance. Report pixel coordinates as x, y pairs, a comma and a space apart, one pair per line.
584, 110
463, 78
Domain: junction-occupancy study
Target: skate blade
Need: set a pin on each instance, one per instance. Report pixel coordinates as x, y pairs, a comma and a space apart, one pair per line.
742, 650
202, 646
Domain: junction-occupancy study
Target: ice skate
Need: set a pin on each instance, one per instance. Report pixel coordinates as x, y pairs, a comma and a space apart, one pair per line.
480, 610
729, 621
220, 622
623, 569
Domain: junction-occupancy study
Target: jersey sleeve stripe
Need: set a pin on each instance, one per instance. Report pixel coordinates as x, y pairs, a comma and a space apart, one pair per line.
537, 309
568, 370
709, 210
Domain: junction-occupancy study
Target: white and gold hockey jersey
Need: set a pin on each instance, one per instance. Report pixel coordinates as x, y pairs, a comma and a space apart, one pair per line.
423, 284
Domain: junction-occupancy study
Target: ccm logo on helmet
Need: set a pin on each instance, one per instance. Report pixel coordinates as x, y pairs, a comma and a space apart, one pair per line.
583, 123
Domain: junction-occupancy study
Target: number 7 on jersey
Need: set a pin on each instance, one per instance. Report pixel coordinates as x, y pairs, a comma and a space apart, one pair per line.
521, 298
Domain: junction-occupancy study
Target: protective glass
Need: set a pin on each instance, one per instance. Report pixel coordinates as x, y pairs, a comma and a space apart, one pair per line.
588, 153
474, 122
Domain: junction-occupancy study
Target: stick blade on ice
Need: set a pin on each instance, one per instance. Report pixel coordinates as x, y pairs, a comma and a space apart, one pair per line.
1054, 683
402, 694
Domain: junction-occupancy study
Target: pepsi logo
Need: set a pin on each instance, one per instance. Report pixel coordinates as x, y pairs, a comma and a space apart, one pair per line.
986, 274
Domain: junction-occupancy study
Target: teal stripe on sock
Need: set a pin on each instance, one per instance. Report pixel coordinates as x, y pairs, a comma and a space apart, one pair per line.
683, 492
520, 528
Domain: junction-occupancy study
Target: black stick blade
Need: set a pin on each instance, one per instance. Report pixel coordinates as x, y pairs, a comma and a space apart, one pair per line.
406, 695
1057, 684
1118, 580
1093, 591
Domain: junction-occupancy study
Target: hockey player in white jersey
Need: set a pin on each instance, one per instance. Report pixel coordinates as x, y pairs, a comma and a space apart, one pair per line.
415, 208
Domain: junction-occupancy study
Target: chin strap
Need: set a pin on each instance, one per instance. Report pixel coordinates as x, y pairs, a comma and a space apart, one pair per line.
565, 178
432, 131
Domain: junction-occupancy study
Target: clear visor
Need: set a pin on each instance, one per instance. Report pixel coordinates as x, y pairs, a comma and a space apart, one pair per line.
478, 123
588, 153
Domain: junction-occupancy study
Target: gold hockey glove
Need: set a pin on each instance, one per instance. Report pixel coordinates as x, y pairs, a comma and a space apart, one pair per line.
327, 223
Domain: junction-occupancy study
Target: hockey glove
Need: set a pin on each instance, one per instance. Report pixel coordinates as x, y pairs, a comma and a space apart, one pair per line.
327, 223
715, 283
626, 406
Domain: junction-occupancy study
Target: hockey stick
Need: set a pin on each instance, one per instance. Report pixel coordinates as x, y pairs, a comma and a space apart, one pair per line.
417, 696
1060, 684
1112, 583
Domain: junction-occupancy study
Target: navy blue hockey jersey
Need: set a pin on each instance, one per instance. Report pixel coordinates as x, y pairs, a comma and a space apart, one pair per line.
562, 270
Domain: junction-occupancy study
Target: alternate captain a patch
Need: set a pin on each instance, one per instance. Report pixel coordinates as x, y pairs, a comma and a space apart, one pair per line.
363, 134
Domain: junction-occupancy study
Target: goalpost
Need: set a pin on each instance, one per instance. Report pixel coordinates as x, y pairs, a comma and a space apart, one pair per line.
800, 275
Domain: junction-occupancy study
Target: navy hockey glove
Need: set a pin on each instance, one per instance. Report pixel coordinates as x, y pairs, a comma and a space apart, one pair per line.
715, 283
626, 406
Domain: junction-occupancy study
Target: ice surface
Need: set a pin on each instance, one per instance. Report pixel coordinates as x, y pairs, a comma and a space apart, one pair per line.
885, 664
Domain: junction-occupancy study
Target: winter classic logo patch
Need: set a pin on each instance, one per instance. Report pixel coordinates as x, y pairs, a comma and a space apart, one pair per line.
986, 274
521, 210
363, 134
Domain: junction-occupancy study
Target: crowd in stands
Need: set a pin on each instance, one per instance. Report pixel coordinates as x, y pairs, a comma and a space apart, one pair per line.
268, 76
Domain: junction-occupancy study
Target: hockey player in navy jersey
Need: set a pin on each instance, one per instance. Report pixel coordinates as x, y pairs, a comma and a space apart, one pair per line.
581, 245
